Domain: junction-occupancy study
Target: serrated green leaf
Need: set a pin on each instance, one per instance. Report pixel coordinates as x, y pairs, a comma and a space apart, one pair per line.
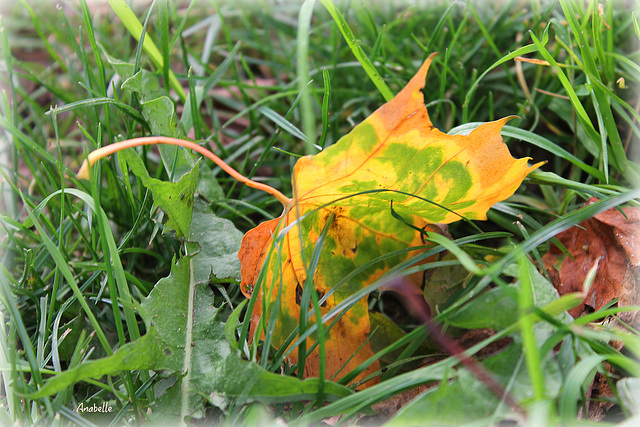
215, 367
219, 243
174, 198
143, 82
159, 112
123, 68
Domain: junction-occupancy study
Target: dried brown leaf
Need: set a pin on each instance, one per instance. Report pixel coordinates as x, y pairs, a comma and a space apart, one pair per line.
610, 240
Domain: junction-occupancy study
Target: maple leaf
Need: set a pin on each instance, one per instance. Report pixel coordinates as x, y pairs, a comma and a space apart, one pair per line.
395, 158
610, 241
394, 164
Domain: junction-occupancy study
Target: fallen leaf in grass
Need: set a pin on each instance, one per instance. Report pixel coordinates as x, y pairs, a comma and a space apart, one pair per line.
394, 159
364, 204
611, 239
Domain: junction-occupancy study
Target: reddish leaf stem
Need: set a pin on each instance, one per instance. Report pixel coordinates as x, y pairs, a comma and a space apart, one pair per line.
418, 307
94, 156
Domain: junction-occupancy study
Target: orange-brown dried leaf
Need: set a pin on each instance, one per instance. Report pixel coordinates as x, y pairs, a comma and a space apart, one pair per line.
252, 252
612, 240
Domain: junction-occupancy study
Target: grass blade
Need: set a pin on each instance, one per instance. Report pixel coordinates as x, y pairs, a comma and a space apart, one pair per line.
131, 23
357, 50
66, 272
306, 101
531, 350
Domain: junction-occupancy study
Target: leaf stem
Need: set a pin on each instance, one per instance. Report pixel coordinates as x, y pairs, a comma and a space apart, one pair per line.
96, 155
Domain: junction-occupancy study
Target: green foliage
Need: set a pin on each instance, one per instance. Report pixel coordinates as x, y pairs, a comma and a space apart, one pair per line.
175, 199
208, 366
123, 289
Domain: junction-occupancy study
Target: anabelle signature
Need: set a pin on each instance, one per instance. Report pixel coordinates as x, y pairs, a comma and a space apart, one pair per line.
104, 407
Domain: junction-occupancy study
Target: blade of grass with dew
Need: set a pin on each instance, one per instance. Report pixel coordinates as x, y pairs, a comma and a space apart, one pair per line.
357, 50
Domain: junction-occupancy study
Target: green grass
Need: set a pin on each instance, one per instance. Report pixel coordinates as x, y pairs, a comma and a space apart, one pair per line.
115, 265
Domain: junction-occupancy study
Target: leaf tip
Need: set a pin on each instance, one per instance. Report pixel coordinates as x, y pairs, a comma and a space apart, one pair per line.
418, 81
537, 165
503, 121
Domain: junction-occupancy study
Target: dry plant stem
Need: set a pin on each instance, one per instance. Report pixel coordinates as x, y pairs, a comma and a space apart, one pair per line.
153, 140
414, 300
522, 80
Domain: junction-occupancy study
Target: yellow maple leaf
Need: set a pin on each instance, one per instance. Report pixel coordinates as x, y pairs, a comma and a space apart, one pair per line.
343, 197
395, 156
